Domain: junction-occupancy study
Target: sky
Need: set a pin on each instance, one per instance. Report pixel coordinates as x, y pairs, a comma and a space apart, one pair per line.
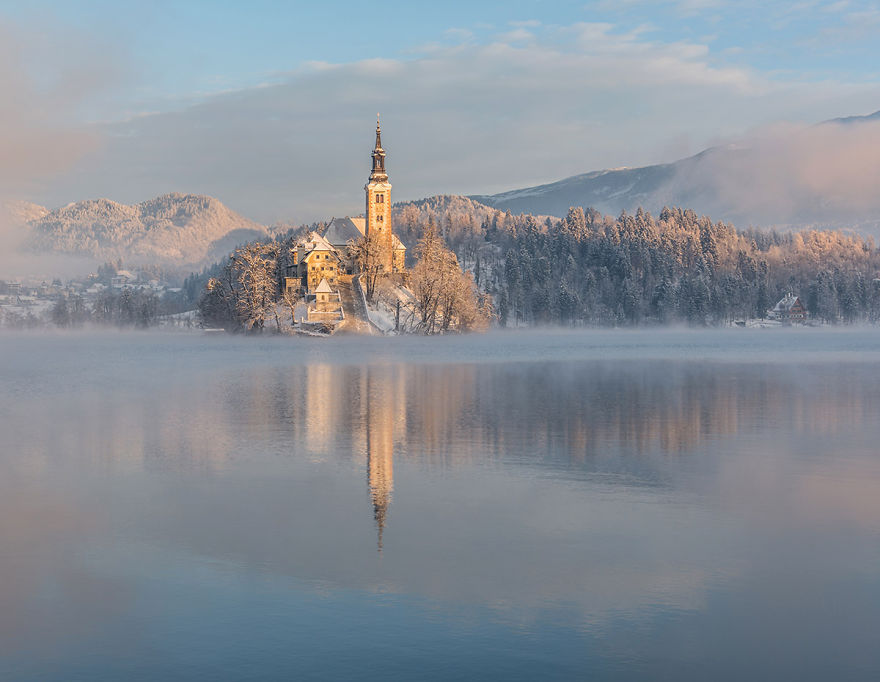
270, 106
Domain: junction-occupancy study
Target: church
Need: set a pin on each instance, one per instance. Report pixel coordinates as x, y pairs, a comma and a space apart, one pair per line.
323, 259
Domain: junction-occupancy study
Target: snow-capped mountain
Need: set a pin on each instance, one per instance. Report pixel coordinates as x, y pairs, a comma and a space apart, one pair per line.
173, 230
822, 175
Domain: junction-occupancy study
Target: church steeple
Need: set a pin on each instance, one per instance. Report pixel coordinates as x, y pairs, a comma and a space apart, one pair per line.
378, 213
378, 173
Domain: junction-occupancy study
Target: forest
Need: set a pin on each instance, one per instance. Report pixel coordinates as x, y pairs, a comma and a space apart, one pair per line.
638, 269
678, 267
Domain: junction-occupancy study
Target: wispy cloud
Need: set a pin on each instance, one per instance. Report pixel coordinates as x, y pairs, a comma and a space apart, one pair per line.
47, 78
683, 7
464, 117
784, 174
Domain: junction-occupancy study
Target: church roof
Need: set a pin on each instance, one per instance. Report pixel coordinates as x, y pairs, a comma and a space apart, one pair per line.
323, 287
314, 242
342, 230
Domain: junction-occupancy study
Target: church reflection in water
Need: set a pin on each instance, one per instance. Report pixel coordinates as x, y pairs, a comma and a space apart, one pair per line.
567, 418
381, 420
546, 415
359, 410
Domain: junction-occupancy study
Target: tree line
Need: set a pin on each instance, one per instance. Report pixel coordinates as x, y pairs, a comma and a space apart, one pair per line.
639, 269
633, 269
123, 308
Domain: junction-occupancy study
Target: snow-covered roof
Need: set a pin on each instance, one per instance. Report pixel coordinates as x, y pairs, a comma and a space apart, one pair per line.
323, 287
314, 242
342, 230
786, 303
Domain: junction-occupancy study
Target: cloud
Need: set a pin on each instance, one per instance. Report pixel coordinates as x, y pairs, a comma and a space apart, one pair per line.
516, 35
33, 139
460, 118
793, 174
47, 78
683, 7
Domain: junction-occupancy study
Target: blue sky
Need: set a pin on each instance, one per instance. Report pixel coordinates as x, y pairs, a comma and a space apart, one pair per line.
170, 92
179, 50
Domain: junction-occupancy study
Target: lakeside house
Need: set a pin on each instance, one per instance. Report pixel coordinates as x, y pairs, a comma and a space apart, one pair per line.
789, 310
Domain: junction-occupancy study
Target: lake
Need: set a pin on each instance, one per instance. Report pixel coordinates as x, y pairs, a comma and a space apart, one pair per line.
604, 505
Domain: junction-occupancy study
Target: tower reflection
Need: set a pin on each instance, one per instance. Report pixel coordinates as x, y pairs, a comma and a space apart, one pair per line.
557, 417
381, 397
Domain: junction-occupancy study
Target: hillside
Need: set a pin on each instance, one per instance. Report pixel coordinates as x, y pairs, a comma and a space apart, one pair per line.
814, 177
23, 212
672, 267
173, 230
608, 191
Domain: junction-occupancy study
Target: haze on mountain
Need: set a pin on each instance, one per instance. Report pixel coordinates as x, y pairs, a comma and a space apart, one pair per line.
183, 230
823, 175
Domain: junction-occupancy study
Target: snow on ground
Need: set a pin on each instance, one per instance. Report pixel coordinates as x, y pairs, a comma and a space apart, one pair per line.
383, 314
186, 320
300, 312
762, 324
382, 317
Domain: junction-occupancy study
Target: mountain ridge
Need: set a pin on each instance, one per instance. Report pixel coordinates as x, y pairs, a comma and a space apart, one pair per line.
771, 180
175, 229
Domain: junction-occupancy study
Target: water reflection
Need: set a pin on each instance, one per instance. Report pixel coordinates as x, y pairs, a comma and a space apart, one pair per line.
680, 501
565, 419
380, 424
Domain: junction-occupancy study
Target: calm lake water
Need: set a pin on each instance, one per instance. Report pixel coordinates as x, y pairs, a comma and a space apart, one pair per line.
569, 505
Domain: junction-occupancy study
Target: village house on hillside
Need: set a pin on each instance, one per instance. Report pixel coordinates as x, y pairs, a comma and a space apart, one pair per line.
789, 310
324, 259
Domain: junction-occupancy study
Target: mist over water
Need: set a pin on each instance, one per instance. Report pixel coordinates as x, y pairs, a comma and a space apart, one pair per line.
674, 504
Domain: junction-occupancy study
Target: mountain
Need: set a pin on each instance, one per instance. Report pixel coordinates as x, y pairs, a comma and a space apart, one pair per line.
848, 120
172, 230
22, 212
614, 190
608, 191
824, 175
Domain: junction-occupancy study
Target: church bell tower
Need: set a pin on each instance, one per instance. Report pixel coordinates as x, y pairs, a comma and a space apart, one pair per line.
378, 213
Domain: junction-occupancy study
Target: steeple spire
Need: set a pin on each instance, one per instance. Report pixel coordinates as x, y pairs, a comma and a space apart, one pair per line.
378, 173
378, 213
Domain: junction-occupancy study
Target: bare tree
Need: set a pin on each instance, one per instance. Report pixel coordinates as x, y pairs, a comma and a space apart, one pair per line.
445, 297
290, 299
366, 253
245, 296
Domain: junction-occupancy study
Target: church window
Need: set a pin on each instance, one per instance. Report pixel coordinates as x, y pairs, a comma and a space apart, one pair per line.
380, 198
380, 218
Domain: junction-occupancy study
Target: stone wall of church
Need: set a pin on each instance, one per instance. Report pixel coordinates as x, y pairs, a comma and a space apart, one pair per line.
378, 197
